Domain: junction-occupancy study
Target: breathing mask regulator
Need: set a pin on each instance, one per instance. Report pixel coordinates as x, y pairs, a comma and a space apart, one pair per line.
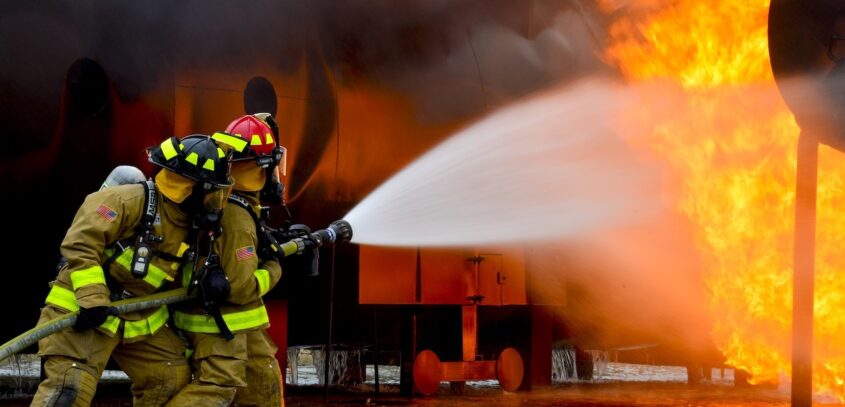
206, 202
273, 191
274, 163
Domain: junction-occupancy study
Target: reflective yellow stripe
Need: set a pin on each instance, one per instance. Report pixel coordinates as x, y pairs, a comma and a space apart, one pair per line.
255, 141
111, 324
186, 274
167, 149
155, 275
192, 158
147, 326
236, 321
263, 278
66, 299
237, 143
182, 248
91, 275
268, 139
63, 298
209, 165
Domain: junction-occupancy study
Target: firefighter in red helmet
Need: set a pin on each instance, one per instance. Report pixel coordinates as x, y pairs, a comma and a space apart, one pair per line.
238, 360
125, 241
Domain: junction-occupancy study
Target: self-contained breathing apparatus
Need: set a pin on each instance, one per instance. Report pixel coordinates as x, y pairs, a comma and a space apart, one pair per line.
208, 283
141, 243
144, 237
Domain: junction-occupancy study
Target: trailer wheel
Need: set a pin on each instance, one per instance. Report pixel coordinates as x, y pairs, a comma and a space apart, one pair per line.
427, 372
509, 369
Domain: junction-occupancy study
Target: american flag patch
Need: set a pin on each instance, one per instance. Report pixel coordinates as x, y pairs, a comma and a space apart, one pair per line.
244, 253
107, 213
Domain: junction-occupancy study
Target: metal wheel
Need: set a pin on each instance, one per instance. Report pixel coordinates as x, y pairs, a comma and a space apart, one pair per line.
509, 369
427, 372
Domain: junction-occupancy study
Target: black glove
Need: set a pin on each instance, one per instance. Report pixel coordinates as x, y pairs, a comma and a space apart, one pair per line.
305, 264
215, 286
93, 317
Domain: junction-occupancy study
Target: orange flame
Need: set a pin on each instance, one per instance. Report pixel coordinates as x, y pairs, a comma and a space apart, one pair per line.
732, 146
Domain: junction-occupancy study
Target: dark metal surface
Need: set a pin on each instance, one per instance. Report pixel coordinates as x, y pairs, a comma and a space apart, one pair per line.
800, 38
803, 51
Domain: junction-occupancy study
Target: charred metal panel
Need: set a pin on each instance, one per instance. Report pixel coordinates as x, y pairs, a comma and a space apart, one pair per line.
387, 276
446, 276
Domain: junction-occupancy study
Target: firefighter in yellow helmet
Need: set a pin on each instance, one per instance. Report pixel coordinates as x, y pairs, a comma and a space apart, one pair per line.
130, 240
237, 357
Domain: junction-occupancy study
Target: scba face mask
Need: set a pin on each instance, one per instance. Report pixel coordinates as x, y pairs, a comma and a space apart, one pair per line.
213, 202
273, 191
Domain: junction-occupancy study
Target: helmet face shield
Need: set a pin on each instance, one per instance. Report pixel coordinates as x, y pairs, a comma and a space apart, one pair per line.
283, 162
215, 198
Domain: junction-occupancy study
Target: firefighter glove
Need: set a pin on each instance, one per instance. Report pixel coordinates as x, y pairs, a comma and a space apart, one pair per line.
93, 317
215, 285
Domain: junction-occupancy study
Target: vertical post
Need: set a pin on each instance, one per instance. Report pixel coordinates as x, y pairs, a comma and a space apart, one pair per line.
375, 350
540, 357
328, 354
804, 270
469, 316
408, 346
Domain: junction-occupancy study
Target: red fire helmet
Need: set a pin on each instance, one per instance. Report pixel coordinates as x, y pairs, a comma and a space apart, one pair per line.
256, 132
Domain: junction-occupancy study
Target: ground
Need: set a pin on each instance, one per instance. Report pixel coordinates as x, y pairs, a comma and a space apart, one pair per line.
616, 385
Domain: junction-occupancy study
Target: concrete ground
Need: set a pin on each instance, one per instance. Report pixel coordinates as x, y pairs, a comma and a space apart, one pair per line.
619, 385
568, 394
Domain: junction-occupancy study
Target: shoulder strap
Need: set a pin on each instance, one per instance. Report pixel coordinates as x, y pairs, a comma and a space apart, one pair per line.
144, 232
267, 243
150, 206
240, 201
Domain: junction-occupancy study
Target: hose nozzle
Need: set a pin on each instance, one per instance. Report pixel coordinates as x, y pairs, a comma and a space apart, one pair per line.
339, 231
342, 229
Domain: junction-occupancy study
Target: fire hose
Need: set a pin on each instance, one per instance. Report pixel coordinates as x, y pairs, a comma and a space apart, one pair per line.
338, 231
33, 335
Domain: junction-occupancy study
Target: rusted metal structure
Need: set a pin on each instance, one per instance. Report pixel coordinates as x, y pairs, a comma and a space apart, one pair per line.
472, 280
807, 49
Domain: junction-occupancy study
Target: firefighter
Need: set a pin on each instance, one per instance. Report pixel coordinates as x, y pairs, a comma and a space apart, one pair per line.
237, 357
125, 241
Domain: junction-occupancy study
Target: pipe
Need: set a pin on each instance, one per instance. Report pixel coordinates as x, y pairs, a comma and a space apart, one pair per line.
804, 270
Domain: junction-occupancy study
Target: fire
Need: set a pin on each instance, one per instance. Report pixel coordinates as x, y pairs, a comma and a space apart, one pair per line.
732, 147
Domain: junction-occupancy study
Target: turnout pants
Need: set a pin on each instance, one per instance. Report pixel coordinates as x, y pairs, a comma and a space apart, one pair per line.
219, 371
263, 376
74, 361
